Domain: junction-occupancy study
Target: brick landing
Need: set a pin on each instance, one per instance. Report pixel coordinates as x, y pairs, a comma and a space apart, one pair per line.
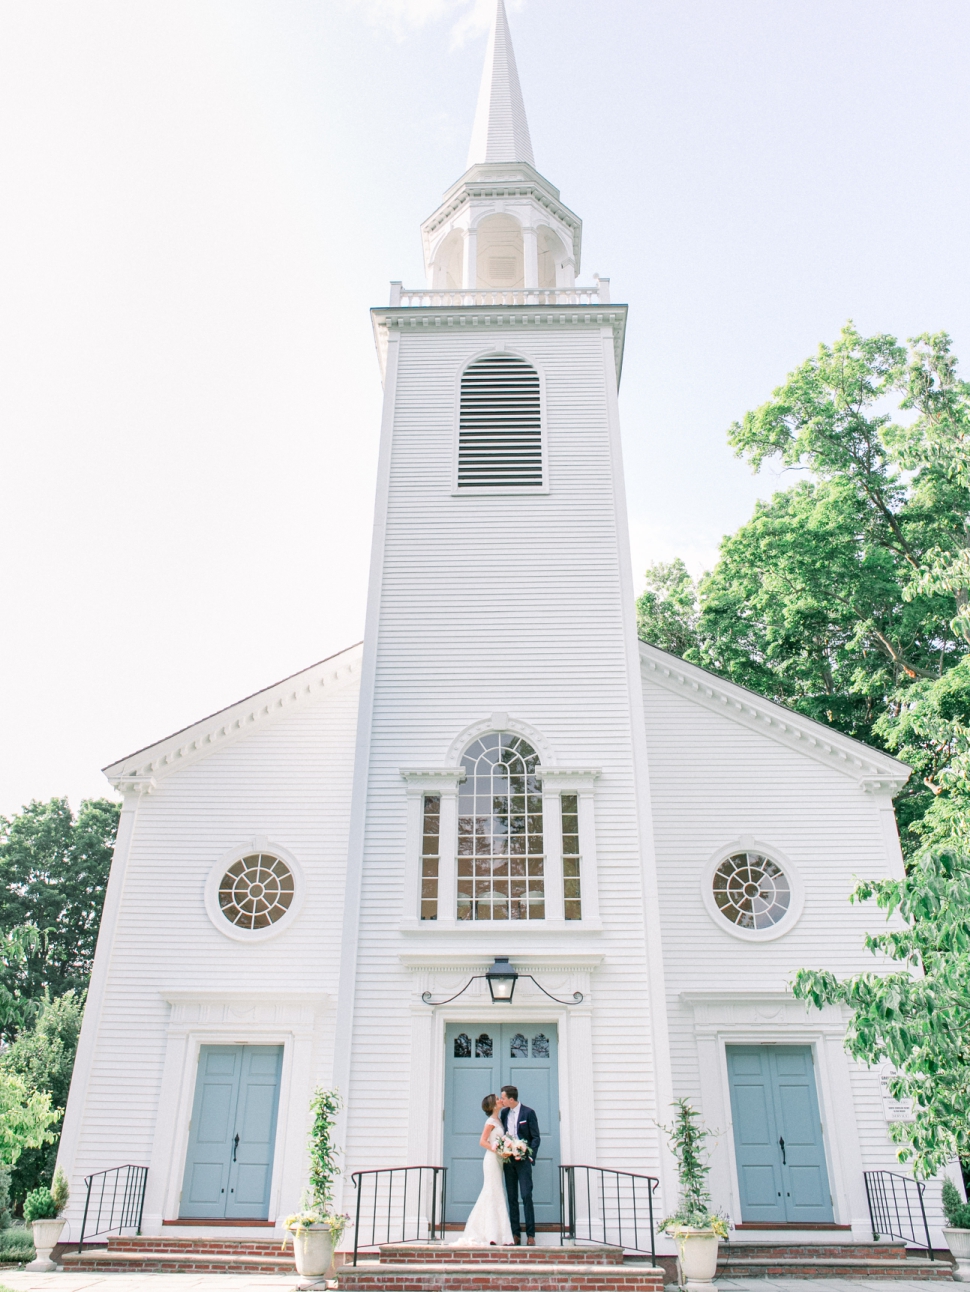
184, 1256
739, 1260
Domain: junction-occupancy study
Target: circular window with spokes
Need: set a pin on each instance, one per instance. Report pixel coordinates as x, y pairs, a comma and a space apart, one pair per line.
752, 894
253, 894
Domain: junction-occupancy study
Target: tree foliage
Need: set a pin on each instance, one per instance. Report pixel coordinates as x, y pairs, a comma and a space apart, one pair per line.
42, 1057
918, 1017
847, 596
53, 871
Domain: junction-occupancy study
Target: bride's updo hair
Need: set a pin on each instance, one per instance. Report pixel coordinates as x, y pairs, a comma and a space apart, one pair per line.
488, 1104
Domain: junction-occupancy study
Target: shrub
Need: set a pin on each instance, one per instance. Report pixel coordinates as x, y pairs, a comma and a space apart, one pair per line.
59, 1190
39, 1205
956, 1210
16, 1244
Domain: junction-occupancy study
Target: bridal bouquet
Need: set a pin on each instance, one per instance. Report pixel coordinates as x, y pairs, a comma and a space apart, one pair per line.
518, 1149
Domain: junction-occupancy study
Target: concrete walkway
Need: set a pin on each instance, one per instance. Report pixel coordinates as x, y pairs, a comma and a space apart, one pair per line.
22, 1281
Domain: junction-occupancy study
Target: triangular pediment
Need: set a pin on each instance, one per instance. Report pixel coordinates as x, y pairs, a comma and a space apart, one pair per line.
873, 771
142, 770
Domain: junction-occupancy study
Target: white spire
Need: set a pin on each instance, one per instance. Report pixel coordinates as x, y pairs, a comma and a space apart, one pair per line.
501, 132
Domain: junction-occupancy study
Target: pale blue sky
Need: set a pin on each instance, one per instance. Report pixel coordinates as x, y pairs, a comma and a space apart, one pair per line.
202, 198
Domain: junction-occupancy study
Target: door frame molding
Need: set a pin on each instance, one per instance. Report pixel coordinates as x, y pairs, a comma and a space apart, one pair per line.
574, 1023
203, 1017
774, 1017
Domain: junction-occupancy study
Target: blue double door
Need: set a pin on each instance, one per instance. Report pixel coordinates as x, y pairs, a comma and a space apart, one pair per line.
229, 1163
480, 1058
782, 1175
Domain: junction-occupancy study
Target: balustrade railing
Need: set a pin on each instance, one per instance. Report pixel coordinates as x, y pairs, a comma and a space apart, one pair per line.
114, 1201
598, 1205
400, 1204
413, 298
896, 1209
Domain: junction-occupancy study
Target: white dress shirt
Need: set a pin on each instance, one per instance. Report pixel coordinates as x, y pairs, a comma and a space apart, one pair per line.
512, 1122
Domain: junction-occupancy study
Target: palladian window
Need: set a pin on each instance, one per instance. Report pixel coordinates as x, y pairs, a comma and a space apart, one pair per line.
500, 848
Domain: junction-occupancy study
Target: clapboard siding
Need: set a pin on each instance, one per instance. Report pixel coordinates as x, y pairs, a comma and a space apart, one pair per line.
288, 781
503, 603
713, 780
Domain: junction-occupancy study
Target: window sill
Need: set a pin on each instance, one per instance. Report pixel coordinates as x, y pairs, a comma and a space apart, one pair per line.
502, 929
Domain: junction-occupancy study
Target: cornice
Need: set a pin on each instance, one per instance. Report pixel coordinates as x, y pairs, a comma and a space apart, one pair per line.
142, 770
873, 772
413, 320
568, 777
480, 962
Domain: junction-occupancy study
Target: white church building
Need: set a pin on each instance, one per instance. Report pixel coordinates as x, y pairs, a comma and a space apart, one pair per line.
309, 886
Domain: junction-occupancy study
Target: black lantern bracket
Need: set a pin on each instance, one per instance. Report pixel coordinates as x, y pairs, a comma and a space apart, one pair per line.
501, 979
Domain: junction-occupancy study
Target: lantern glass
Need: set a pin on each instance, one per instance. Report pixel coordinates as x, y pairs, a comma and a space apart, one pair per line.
501, 979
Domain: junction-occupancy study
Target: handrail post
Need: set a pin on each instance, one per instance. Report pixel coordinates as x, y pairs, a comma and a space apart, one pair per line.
87, 1200
926, 1229
359, 1188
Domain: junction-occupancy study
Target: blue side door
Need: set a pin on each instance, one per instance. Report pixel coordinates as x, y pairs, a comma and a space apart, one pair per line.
229, 1162
782, 1175
480, 1058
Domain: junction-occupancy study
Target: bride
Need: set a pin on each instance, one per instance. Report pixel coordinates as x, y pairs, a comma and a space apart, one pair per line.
488, 1225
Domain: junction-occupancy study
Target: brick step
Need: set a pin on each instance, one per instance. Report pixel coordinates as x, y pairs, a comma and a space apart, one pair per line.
739, 1267
497, 1276
813, 1251
443, 1253
202, 1246
172, 1263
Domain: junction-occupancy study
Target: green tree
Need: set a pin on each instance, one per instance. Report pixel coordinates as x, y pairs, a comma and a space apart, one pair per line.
53, 871
26, 1118
42, 1057
845, 597
918, 1017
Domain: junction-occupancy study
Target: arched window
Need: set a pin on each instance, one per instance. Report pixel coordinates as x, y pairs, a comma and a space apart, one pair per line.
500, 426
500, 860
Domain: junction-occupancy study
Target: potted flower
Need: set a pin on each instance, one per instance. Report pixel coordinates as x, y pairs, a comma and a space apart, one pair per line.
42, 1211
957, 1230
316, 1228
694, 1226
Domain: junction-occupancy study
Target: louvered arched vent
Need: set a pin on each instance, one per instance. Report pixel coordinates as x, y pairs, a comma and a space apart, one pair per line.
500, 434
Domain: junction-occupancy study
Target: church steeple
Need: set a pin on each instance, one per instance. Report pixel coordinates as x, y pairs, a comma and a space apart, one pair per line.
501, 130
502, 227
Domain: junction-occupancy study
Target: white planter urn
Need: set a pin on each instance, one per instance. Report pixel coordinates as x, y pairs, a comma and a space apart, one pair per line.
312, 1250
698, 1258
958, 1241
47, 1234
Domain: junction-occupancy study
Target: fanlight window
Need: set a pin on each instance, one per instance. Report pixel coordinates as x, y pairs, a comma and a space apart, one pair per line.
256, 891
500, 429
751, 891
500, 859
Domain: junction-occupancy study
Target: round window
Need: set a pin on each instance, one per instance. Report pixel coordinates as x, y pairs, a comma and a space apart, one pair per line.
751, 891
256, 891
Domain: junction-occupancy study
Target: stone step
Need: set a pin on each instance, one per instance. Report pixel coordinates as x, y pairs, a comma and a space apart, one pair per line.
739, 1267
183, 1255
444, 1253
498, 1276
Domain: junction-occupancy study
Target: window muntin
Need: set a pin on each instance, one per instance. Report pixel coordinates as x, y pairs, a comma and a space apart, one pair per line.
571, 879
500, 857
430, 854
751, 891
499, 425
256, 891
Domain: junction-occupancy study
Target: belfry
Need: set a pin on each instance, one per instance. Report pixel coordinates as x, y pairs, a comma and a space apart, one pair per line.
500, 841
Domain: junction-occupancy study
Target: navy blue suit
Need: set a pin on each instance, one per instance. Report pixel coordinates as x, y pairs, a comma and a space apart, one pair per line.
518, 1175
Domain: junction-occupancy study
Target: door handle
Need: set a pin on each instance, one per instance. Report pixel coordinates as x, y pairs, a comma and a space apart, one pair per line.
781, 1143
235, 1145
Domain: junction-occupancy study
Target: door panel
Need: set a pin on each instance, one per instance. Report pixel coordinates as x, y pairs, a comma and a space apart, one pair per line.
236, 1094
480, 1059
782, 1173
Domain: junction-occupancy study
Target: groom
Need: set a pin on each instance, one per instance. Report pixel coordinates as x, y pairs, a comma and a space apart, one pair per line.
521, 1123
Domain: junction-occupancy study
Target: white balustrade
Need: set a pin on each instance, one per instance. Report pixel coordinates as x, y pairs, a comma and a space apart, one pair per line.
426, 298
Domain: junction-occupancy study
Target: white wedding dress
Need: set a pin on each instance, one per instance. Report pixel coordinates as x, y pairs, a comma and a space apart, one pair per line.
489, 1221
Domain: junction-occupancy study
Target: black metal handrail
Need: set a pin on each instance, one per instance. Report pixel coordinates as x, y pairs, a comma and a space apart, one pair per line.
895, 1206
118, 1200
405, 1204
599, 1205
